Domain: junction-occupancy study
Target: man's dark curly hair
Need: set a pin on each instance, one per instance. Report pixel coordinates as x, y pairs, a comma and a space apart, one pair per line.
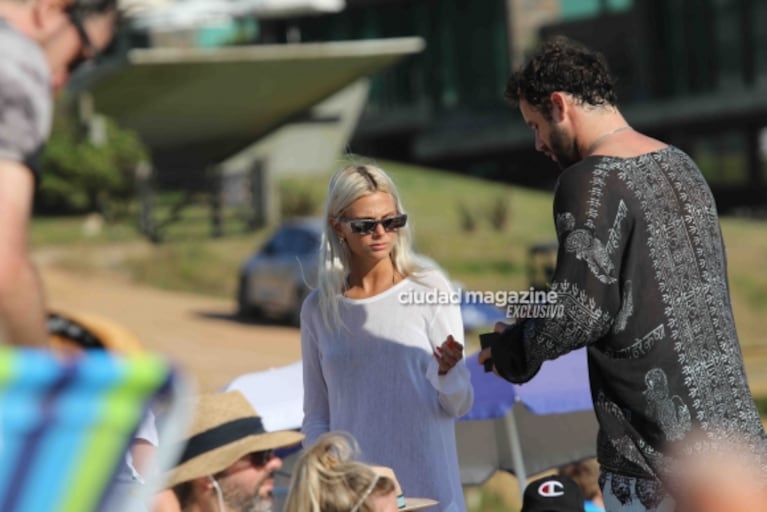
563, 65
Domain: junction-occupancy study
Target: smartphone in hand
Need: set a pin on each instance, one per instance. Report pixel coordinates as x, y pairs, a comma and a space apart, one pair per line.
485, 341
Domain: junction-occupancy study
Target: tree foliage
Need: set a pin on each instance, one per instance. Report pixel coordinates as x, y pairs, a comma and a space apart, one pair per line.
79, 176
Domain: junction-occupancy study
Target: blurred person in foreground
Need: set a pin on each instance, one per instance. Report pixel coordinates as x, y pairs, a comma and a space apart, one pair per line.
552, 494
379, 360
41, 42
641, 272
726, 479
228, 461
585, 473
327, 478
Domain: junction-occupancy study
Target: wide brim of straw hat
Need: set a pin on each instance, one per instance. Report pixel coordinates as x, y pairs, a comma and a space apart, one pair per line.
215, 415
418, 504
406, 503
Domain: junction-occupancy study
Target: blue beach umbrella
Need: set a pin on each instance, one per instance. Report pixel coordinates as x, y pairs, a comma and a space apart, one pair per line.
529, 428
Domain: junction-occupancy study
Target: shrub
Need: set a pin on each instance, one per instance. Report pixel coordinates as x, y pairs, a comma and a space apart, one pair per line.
81, 177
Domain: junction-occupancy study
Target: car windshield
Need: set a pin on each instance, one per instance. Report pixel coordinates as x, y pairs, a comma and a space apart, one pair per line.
292, 241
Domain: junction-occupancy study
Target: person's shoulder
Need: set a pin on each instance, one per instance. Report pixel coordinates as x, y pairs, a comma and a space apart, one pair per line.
675, 153
580, 173
312, 301
21, 57
25, 99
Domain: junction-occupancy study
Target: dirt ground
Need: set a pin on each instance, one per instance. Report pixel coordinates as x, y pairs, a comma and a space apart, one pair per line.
200, 334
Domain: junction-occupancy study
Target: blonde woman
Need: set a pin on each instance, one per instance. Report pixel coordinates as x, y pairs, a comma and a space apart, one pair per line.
328, 479
382, 355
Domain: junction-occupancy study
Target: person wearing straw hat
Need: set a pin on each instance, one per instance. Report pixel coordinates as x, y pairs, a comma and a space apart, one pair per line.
328, 478
228, 461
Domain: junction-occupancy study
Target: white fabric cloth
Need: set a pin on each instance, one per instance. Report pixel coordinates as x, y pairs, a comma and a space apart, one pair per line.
377, 379
275, 394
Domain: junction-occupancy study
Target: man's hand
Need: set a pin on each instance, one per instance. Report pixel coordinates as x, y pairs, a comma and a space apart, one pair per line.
487, 353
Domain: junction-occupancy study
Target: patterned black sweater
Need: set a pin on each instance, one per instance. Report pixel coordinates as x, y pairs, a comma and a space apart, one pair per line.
641, 272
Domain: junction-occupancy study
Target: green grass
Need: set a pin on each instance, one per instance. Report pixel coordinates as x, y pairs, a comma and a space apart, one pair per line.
59, 231
484, 258
761, 405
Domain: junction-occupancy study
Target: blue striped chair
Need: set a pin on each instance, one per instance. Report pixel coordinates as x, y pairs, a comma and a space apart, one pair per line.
65, 425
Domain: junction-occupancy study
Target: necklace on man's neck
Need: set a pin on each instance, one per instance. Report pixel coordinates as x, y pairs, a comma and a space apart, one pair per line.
602, 137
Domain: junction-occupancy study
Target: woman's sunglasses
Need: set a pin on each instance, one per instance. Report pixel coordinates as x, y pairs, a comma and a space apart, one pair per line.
367, 226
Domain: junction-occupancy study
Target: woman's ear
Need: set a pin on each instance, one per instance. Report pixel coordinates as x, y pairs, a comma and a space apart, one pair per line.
337, 228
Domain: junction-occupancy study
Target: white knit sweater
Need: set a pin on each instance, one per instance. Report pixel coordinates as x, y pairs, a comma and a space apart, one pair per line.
377, 379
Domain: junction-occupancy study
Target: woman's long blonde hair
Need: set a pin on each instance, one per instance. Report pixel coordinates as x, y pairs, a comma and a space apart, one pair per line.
327, 478
346, 186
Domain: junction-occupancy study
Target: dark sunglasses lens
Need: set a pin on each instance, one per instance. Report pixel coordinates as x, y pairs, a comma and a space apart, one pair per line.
363, 227
394, 222
261, 458
366, 226
75, 17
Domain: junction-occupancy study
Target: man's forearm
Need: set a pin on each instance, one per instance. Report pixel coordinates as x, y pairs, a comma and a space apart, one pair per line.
22, 307
510, 357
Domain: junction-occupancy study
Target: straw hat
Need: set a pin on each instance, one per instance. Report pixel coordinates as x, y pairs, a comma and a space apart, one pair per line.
403, 503
82, 331
225, 428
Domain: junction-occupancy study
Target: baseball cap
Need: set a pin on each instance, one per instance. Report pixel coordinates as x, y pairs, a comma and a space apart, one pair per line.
552, 494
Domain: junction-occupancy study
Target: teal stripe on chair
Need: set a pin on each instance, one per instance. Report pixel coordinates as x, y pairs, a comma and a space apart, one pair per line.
65, 426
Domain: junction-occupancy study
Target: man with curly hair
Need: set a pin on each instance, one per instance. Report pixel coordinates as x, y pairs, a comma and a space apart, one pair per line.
642, 275
41, 42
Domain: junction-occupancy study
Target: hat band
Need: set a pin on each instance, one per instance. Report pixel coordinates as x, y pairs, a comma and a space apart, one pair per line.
221, 435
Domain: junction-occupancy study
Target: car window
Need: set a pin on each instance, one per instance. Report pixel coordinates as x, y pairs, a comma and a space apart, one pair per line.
292, 241
305, 242
279, 243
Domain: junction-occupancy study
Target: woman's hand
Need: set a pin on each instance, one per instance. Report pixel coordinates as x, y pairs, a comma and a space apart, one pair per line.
448, 354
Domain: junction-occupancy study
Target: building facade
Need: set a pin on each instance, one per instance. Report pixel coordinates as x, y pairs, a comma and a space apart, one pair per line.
692, 72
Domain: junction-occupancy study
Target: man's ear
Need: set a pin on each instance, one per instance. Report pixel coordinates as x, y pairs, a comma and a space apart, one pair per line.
560, 104
202, 486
